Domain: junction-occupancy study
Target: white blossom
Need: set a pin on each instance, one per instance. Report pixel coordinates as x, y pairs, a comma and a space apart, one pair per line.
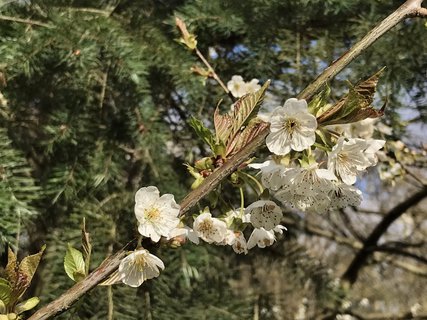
236, 214
370, 152
139, 266
252, 86
261, 238
264, 238
156, 215
238, 87
186, 233
237, 241
271, 173
292, 127
210, 229
307, 188
344, 195
347, 158
264, 214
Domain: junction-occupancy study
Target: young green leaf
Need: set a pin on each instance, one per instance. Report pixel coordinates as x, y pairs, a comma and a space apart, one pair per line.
11, 266
2, 307
26, 305
354, 106
320, 100
229, 125
204, 133
28, 265
74, 264
5, 291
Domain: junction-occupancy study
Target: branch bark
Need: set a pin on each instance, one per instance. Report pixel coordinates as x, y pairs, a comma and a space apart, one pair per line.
410, 8
359, 260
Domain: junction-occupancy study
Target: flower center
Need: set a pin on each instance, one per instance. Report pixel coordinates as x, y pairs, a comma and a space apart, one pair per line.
139, 262
206, 226
291, 125
152, 214
343, 157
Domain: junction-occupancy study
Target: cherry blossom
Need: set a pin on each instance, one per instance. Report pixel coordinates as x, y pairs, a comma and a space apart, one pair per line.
139, 266
292, 128
156, 215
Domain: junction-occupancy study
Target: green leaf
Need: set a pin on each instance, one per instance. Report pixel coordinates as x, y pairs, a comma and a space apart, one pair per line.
28, 265
354, 106
26, 305
325, 139
11, 266
229, 125
5, 291
245, 136
204, 133
320, 100
2, 307
74, 263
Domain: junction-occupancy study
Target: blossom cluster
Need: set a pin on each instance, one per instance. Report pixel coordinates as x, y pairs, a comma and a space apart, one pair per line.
158, 217
313, 168
313, 179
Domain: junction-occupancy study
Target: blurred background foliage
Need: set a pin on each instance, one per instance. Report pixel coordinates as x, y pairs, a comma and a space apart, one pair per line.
95, 98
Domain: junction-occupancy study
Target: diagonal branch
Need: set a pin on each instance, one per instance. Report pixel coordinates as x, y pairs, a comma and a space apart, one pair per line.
73, 294
359, 260
410, 8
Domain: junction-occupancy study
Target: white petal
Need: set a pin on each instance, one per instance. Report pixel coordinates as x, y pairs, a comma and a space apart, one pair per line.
300, 142
294, 105
278, 143
147, 195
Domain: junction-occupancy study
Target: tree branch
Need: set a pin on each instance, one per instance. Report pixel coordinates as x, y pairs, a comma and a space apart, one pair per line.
409, 8
401, 252
359, 260
68, 298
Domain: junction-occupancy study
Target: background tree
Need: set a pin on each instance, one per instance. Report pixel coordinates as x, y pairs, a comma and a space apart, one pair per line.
95, 103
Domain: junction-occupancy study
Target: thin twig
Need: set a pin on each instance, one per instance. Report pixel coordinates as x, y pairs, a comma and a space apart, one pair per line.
105, 13
214, 74
26, 21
